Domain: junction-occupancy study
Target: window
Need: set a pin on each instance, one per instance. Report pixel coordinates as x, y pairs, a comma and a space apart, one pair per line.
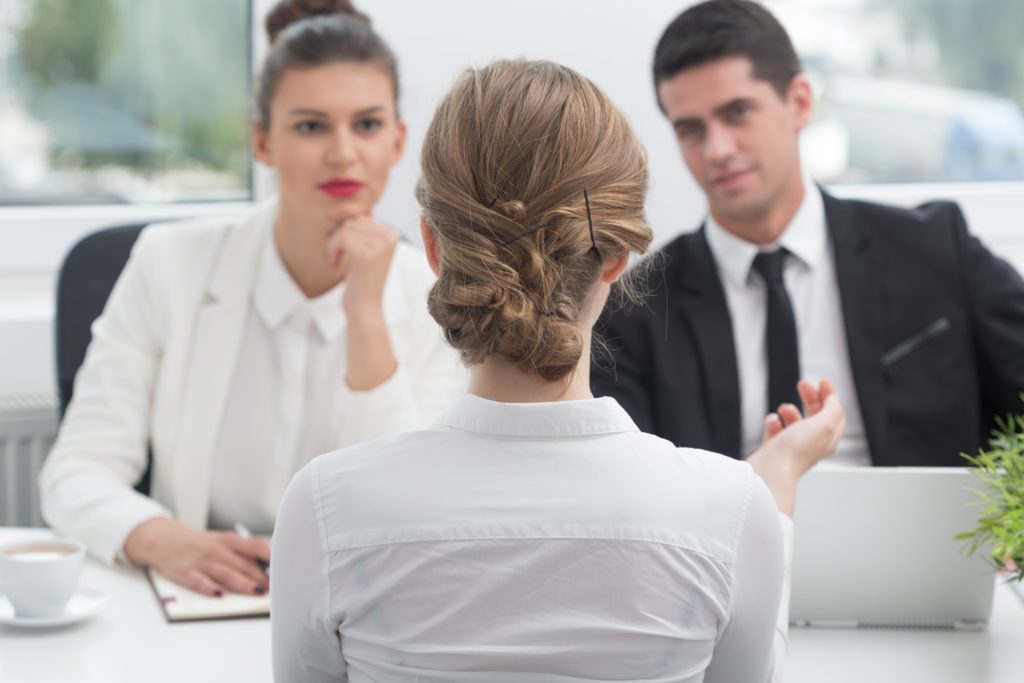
912, 90
124, 102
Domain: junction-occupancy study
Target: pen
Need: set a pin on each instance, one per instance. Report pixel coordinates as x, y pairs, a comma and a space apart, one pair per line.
244, 532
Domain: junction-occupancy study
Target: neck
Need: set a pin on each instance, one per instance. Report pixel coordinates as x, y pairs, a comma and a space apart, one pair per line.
498, 379
303, 250
766, 224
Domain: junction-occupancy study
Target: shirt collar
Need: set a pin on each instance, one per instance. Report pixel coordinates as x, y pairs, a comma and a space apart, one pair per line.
733, 256
277, 297
804, 237
590, 417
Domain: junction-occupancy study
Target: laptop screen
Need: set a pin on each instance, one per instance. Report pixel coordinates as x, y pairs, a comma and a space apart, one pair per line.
875, 547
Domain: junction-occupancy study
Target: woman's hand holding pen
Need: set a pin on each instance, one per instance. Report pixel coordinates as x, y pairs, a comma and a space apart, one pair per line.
208, 562
793, 444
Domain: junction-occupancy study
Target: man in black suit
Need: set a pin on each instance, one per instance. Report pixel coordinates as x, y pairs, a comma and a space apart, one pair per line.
919, 327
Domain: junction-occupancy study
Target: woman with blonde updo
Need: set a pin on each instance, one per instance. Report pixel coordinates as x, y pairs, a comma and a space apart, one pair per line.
236, 349
534, 534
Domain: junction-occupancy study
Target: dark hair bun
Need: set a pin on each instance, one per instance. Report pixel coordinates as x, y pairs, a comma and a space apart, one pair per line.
287, 12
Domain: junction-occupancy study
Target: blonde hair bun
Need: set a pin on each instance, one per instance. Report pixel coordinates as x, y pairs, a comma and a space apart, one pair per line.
505, 163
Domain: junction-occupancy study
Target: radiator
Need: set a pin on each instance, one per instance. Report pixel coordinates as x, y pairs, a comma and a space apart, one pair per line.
28, 425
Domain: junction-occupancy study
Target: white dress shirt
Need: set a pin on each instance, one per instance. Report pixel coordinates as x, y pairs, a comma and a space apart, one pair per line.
810, 277
284, 402
528, 542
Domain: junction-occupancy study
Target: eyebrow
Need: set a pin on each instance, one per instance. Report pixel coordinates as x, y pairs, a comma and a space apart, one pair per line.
300, 111
718, 111
748, 101
308, 112
372, 110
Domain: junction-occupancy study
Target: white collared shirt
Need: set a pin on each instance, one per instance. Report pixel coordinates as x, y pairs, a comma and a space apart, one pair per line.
810, 277
283, 404
528, 542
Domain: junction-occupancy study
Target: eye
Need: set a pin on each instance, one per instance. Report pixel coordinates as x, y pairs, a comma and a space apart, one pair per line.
309, 127
737, 112
369, 125
689, 131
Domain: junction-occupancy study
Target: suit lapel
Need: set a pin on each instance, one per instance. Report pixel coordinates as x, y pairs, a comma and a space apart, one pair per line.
216, 338
858, 272
703, 305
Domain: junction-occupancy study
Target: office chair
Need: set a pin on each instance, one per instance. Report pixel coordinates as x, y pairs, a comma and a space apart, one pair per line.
86, 277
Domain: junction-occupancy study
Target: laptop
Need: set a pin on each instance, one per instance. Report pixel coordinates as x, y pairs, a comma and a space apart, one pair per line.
874, 547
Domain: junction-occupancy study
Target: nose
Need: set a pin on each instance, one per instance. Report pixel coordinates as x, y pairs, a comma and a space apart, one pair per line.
719, 144
341, 149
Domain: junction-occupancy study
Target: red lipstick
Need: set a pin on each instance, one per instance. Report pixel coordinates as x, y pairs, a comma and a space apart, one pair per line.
341, 187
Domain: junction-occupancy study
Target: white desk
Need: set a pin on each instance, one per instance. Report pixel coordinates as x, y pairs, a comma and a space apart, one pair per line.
995, 655
131, 641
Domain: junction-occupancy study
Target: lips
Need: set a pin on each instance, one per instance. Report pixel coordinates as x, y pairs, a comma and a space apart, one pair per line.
730, 179
341, 187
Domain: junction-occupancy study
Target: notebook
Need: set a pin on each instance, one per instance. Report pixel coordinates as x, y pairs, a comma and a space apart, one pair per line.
181, 604
874, 547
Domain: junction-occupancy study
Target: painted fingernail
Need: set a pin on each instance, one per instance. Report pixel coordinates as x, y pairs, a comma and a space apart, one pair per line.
218, 593
259, 590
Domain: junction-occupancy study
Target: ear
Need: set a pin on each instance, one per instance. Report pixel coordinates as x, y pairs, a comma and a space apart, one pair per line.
801, 98
261, 145
400, 140
614, 267
430, 246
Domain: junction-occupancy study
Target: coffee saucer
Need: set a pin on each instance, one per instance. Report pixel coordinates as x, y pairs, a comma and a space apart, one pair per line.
84, 603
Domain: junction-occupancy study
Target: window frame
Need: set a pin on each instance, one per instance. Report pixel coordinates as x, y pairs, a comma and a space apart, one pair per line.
986, 205
54, 229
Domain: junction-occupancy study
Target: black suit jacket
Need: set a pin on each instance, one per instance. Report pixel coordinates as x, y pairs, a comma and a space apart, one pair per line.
934, 326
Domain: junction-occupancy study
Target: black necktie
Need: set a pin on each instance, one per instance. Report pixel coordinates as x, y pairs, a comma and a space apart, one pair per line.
780, 332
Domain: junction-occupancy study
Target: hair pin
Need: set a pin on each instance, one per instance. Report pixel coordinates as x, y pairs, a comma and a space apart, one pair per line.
590, 225
590, 220
523, 234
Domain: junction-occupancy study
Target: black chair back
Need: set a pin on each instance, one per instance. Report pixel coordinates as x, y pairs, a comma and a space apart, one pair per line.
86, 277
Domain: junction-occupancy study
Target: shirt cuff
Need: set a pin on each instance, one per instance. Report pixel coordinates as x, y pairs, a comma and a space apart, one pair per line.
787, 540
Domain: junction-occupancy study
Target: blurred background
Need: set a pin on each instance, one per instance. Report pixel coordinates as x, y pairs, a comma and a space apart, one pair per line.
119, 111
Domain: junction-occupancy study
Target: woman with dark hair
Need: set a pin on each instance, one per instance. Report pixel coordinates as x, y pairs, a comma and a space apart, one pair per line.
534, 533
238, 349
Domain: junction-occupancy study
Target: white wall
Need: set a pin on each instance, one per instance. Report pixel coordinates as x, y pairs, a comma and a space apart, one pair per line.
610, 42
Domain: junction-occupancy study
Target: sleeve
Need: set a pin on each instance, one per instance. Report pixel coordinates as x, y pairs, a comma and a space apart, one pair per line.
995, 291
86, 484
305, 643
753, 645
429, 377
621, 368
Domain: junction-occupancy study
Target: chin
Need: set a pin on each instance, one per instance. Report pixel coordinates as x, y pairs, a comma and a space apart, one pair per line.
743, 208
344, 208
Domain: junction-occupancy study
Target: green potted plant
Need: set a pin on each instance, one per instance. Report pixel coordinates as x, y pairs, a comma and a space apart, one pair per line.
1001, 498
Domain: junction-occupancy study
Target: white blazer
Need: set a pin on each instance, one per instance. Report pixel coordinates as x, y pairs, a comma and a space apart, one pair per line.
160, 365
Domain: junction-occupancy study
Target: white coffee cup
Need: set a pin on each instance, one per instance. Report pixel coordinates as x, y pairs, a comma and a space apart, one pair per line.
40, 575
